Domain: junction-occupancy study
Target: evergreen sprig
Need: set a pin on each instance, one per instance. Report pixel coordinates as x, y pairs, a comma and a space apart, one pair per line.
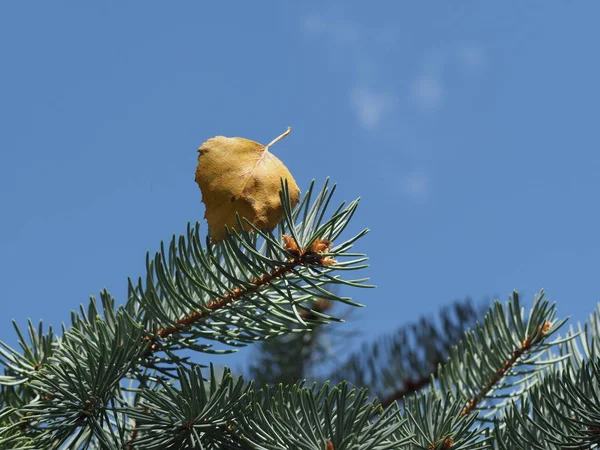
399, 364
249, 286
303, 418
196, 414
501, 358
70, 391
117, 377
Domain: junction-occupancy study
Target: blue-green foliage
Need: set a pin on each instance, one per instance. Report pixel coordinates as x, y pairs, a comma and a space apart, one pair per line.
121, 377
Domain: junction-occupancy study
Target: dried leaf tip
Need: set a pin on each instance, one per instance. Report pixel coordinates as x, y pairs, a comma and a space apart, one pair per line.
278, 138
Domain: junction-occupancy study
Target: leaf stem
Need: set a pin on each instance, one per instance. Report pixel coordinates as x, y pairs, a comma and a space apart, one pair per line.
278, 138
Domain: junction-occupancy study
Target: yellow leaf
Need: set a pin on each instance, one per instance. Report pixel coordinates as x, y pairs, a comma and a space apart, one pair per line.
240, 175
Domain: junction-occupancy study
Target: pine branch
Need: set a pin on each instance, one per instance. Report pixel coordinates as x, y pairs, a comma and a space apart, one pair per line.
400, 364
297, 417
500, 360
409, 387
561, 412
561, 409
302, 257
294, 357
228, 413
249, 286
200, 412
435, 422
245, 288
102, 384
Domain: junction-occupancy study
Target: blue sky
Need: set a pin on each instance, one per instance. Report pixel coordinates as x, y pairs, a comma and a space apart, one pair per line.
470, 130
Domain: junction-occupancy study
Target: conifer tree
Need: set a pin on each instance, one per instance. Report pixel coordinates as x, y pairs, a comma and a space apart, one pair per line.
121, 375
392, 366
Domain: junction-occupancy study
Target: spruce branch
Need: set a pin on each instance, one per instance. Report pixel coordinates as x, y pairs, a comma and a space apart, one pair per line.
245, 288
397, 365
101, 384
558, 411
20, 367
250, 285
311, 418
198, 414
561, 409
301, 257
525, 347
435, 421
294, 357
498, 361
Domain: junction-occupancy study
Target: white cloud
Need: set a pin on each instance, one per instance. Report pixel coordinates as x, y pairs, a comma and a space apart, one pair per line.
428, 92
472, 57
369, 106
416, 185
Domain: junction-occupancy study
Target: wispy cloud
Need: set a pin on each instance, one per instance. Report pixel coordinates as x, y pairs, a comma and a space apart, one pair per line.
471, 56
416, 185
413, 185
374, 101
428, 91
369, 106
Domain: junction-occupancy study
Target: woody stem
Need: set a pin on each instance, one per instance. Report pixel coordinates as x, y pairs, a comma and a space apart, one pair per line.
278, 138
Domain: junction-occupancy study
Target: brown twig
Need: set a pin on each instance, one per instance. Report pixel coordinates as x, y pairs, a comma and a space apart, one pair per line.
500, 373
228, 298
301, 257
134, 435
409, 386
